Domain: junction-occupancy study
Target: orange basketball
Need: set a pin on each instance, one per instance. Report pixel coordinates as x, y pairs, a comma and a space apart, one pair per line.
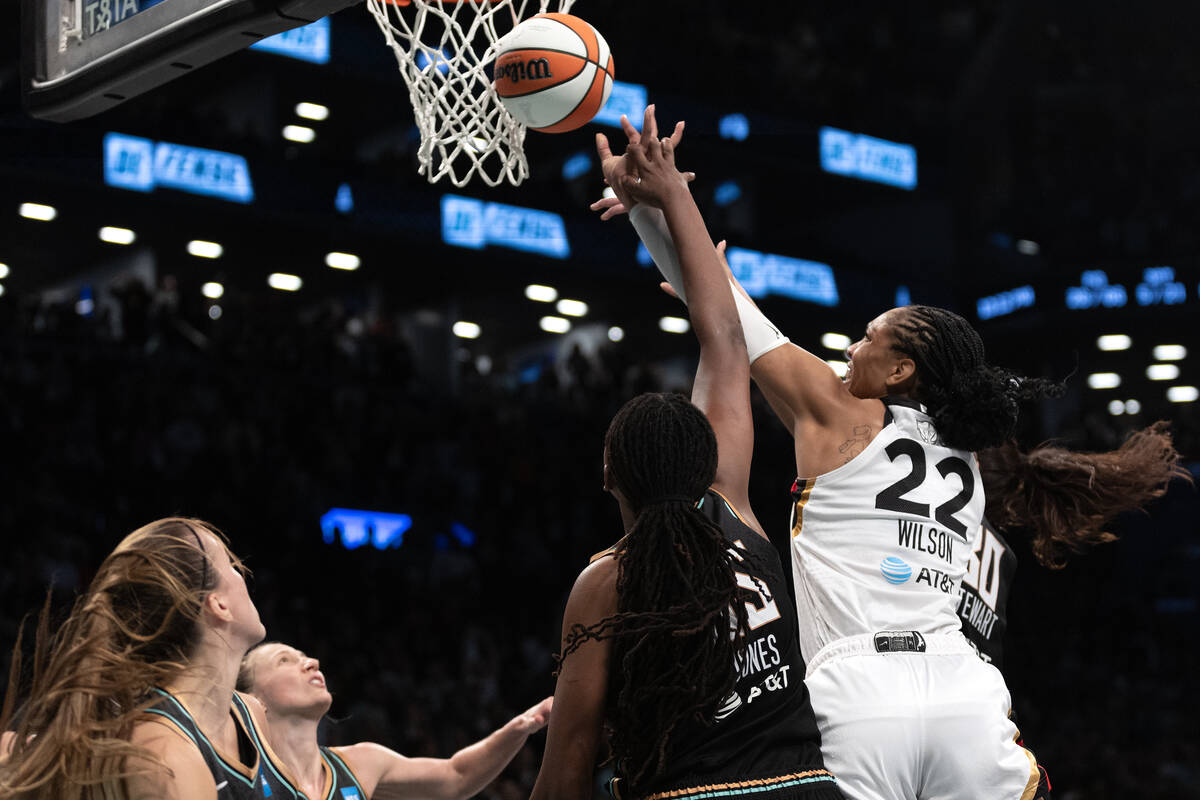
554, 72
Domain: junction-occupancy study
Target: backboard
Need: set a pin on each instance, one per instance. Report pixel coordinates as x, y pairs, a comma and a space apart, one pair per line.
81, 57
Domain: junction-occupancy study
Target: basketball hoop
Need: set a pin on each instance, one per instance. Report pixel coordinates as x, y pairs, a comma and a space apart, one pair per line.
444, 49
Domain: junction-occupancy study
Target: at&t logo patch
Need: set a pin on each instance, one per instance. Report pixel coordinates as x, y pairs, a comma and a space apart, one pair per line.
895, 570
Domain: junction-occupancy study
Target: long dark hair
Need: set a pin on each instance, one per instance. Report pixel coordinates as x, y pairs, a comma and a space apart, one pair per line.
973, 404
133, 629
1066, 499
674, 644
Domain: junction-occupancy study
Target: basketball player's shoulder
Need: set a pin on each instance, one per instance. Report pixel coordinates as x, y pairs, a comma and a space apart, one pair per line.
187, 776
594, 594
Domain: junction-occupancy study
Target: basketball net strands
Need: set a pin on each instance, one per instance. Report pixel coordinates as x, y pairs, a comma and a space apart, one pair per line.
444, 49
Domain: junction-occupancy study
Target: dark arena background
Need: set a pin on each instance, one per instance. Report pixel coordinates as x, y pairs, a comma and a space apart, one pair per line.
415, 495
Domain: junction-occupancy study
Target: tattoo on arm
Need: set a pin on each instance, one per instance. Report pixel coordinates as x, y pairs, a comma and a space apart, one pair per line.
856, 443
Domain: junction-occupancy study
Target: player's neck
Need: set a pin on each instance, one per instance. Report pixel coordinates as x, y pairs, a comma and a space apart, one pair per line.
206, 689
294, 739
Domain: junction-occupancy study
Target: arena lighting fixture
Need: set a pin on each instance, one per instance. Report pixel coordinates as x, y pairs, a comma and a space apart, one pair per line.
1132, 406
674, 325
1027, 247
1114, 341
466, 330
572, 308
1183, 394
616, 333
117, 235
1104, 380
1116, 407
299, 133
3, 271
555, 324
313, 111
202, 249
835, 341
542, 294
212, 290
342, 260
1, 290
1162, 352
839, 367
284, 282
38, 211
214, 312
1162, 372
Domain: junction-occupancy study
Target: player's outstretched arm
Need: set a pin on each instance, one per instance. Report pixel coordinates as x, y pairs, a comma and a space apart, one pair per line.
385, 773
722, 384
799, 385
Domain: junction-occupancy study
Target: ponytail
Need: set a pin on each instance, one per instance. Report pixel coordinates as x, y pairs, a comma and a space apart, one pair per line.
1066, 498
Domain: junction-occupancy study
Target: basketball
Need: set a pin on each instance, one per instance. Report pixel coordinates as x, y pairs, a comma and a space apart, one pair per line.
554, 72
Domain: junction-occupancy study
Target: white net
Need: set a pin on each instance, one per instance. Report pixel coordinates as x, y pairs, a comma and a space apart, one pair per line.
444, 49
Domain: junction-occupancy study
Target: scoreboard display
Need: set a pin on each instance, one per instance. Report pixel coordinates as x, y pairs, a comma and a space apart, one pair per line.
100, 15
82, 57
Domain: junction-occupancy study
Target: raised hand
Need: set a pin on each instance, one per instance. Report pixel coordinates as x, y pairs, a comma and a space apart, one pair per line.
654, 177
616, 167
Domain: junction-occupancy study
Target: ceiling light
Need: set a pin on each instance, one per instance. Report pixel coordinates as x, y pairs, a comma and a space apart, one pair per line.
117, 235
212, 290
299, 133
313, 111
3, 271
284, 282
38, 211
1116, 408
674, 325
1114, 341
1132, 406
835, 341
466, 330
1162, 372
1170, 352
214, 312
1182, 394
555, 324
342, 260
203, 249
616, 334
572, 308
1104, 380
542, 294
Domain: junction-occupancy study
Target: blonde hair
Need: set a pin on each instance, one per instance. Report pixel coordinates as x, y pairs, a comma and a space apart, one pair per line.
133, 629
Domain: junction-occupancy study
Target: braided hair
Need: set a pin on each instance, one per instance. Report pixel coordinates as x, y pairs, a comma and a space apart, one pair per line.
673, 654
973, 404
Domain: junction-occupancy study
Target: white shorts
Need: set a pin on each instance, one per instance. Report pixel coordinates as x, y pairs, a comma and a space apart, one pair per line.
932, 725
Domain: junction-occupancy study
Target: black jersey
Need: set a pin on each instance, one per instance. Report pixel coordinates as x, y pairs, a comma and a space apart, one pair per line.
340, 781
983, 594
765, 739
248, 774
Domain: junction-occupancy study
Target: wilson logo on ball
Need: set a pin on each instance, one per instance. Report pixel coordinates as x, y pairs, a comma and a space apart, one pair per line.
516, 70
554, 72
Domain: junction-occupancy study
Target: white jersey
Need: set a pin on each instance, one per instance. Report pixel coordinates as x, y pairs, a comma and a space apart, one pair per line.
882, 542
